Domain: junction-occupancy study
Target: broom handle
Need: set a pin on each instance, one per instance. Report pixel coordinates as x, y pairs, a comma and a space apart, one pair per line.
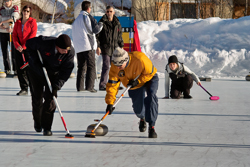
116, 102
23, 58
205, 90
50, 88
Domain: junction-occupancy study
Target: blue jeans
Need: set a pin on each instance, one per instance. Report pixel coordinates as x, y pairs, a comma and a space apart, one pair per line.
146, 107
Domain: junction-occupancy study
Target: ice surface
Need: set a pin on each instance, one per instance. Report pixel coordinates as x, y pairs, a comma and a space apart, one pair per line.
191, 133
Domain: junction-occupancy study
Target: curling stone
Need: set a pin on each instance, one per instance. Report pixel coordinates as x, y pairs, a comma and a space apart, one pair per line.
102, 129
2, 74
72, 75
248, 77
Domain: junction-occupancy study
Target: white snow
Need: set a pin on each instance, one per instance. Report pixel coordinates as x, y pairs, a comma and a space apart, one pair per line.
213, 47
191, 133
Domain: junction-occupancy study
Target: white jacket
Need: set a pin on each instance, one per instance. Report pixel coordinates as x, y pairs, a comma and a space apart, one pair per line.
180, 68
84, 29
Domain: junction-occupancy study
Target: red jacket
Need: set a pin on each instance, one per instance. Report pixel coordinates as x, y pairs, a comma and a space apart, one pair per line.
29, 31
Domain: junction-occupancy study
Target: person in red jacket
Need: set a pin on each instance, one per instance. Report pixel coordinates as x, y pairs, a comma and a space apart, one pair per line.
24, 29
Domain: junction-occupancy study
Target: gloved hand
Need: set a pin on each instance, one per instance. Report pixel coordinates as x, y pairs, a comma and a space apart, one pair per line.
54, 91
110, 108
133, 83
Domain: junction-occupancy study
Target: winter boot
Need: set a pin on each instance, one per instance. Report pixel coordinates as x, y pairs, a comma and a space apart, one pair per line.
22, 93
151, 132
37, 127
142, 125
47, 133
187, 97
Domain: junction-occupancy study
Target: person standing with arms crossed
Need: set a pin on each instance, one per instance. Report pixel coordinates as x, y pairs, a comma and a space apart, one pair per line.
84, 29
107, 40
24, 29
8, 13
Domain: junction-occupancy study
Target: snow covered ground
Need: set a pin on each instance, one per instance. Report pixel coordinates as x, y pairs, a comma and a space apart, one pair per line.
214, 47
191, 133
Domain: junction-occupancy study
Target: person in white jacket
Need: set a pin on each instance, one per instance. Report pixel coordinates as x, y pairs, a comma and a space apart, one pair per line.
182, 79
9, 13
84, 29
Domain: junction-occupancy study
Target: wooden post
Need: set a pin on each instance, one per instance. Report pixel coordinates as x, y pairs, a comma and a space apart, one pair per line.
246, 8
54, 10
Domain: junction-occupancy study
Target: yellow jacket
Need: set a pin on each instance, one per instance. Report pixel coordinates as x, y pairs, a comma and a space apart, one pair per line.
138, 64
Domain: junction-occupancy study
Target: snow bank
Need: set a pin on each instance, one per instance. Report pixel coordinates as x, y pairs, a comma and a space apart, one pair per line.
213, 47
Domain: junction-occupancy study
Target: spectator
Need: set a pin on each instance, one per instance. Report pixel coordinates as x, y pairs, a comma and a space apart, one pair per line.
8, 13
108, 39
84, 29
24, 29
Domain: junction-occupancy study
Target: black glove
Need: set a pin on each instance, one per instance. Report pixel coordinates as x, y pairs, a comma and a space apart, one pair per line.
133, 83
54, 91
110, 108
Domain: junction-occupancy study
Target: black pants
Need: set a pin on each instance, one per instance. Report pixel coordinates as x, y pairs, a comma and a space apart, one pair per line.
22, 73
182, 84
43, 105
105, 70
5, 38
85, 64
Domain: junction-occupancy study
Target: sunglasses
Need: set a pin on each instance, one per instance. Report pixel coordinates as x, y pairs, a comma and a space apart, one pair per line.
109, 11
26, 11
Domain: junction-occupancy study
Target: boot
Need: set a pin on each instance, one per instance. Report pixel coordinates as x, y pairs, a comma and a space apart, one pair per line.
102, 88
187, 97
37, 127
142, 125
47, 133
92, 90
22, 93
151, 132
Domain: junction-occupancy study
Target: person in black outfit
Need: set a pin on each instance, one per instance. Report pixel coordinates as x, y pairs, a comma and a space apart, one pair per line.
107, 40
58, 59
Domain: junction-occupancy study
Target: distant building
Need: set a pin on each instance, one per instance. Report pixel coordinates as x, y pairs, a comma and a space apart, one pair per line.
170, 9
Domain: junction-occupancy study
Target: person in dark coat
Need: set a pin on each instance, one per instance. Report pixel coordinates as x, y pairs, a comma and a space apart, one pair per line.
107, 40
58, 59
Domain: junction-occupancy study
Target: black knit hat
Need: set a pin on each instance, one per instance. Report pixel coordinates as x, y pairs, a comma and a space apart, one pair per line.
172, 59
63, 42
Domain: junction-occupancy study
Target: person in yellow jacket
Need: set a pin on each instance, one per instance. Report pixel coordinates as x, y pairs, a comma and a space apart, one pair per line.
125, 67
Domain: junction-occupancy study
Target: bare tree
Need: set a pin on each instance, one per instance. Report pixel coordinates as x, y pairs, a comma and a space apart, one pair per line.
150, 9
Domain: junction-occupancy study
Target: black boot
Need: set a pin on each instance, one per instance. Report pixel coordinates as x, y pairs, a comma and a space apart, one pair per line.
47, 133
187, 97
142, 125
37, 127
22, 93
151, 132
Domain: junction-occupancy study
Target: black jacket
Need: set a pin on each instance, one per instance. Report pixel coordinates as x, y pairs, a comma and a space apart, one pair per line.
58, 66
111, 35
